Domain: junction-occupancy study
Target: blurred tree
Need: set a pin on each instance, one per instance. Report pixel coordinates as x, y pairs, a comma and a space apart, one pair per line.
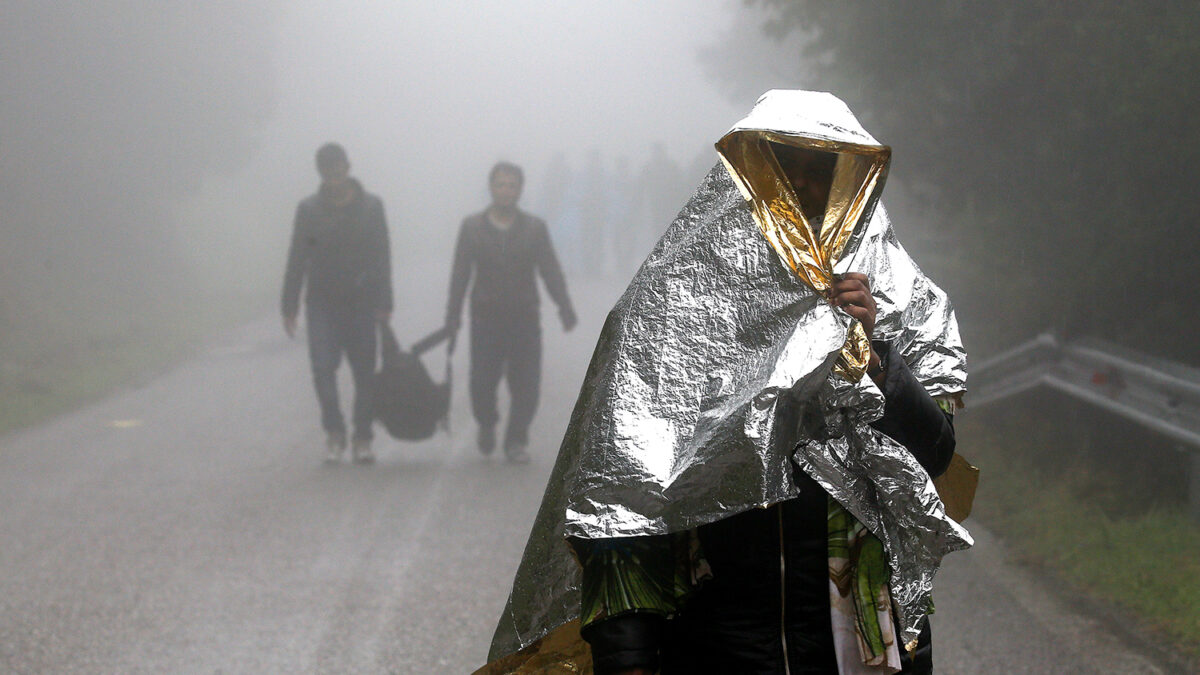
1058, 135
112, 111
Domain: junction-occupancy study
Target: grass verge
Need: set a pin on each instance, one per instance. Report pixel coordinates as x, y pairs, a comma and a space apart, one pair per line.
48, 371
1141, 557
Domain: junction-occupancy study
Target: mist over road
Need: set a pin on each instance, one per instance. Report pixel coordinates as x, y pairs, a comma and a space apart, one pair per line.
190, 526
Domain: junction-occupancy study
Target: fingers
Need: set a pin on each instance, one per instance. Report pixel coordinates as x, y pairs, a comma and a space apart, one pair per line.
860, 298
864, 315
852, 288
852, 293
851, 281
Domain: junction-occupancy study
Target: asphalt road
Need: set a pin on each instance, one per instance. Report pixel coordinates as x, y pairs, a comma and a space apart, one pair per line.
189, 525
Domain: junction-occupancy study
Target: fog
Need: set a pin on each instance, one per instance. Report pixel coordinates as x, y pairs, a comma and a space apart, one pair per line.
154, 154
113, 114
152, 157
427, 96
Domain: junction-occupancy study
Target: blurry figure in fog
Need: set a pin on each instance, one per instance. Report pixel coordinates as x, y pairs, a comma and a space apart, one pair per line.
340, 250
623, 234
555, 188
662, 191
594, 216
504, 249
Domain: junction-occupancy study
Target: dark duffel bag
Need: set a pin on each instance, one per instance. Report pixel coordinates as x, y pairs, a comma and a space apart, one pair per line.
408, 403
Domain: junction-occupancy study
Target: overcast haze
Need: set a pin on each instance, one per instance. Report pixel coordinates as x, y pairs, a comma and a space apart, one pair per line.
163, 502
427, 96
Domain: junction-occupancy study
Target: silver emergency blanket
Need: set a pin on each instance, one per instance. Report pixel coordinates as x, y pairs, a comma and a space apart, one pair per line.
675, 423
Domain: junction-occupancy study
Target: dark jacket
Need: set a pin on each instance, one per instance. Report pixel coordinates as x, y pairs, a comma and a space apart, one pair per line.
505, 263
343, 253
770, 583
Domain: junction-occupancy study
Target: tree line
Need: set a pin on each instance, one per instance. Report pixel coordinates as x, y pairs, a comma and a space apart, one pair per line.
1051, 144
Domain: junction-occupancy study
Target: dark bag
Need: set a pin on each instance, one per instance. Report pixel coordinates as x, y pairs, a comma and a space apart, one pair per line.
408, 402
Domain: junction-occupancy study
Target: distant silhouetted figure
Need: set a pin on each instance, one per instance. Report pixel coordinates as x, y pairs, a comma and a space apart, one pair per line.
624, 231
663, 189
555, 188
505, 248
594, 217
340, 247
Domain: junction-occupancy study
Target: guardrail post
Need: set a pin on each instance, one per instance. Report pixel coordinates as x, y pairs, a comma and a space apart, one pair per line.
1194, 488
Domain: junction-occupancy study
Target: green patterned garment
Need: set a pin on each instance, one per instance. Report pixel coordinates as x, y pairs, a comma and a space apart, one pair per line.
859, 570
657, 574
634, 574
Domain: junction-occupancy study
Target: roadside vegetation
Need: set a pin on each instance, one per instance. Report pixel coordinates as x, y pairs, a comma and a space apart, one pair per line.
1096, 507
102, 277
51, 367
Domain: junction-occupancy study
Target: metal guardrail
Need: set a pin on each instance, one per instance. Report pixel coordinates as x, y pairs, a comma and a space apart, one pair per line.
1161, 395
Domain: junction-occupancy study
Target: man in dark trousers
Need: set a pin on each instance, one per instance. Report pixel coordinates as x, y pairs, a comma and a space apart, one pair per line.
505, 248
340, 247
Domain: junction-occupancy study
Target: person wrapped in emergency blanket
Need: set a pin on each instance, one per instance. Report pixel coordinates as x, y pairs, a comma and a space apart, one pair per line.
745, 485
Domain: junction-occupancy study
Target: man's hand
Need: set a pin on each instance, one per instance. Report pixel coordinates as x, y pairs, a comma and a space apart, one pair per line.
852, 292
567, 315
453, 323
289, 326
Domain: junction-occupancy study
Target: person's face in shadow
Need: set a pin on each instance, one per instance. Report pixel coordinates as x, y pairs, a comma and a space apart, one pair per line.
810, 173
335, 174
506, 189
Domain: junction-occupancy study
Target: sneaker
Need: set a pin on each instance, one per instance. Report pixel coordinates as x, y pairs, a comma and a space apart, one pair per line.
362, 451
335, 445
487, 439
515, 452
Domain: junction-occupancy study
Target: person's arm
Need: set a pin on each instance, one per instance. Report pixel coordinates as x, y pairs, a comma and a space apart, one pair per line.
552, 276
293, 274
627, 590
460, 277
910, 415
383, 265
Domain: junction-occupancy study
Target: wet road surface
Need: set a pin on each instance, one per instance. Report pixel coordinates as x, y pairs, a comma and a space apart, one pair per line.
189, 525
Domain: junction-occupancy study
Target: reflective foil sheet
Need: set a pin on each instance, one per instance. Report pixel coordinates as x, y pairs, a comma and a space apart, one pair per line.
725, 321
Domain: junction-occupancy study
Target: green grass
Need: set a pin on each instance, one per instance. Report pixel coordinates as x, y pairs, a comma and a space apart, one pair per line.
51, 369
1146, 563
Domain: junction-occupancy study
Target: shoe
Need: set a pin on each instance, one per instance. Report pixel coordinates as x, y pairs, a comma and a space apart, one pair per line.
335, 445
362, 451
515, 452
487, 439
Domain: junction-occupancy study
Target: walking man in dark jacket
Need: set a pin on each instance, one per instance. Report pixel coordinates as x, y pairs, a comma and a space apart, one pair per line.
505, 248
340, 248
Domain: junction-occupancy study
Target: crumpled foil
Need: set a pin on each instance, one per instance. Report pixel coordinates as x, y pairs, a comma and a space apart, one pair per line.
675, 423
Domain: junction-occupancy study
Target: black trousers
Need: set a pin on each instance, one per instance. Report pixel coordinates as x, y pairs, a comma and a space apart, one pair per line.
333, 331
508, 347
